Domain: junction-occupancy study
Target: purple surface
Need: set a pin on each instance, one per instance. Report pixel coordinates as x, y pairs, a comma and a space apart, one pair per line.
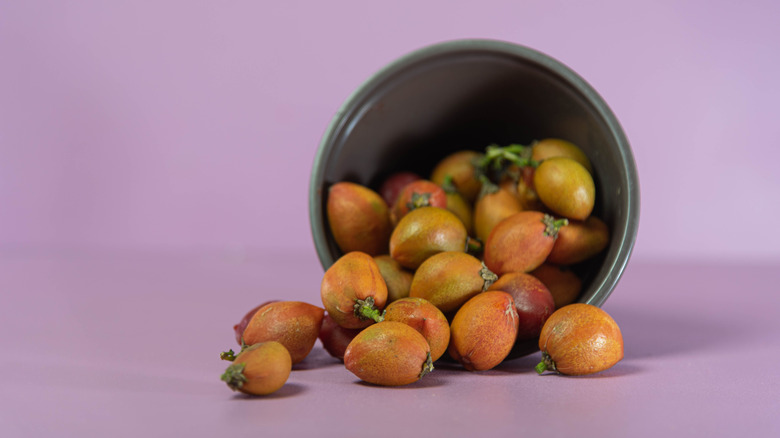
701, 347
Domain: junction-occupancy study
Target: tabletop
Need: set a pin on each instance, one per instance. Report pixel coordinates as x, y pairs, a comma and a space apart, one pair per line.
126, 344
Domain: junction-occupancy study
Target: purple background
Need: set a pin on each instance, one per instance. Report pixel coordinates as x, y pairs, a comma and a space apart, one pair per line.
154, 168
191, 124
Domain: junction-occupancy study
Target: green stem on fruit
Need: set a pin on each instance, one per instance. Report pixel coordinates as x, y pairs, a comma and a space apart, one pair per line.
546, 364
234, 376
498, 156
228, 355
488, 276
448, 186
427, 366
552, 225
474, 246
488, 187
419, 200
366, 309
243, 345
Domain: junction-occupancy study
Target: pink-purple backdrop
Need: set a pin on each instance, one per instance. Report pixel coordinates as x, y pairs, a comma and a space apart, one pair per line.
170, 125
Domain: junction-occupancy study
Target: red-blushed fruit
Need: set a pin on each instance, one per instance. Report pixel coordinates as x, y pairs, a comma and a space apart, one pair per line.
424, 317
533, 302
389, 353
449, 279
556, 147
491, 208
260, 369
392, 186
521, 242
359, 218
424, 232
564, 285
579, 241
565, 187
580, 339
294, 324
353, 290
459, 166
484, 330
239, 328
417, 194
397, 278
335, 338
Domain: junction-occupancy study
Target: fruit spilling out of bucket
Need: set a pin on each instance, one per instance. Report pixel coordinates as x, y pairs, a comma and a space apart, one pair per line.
481, 193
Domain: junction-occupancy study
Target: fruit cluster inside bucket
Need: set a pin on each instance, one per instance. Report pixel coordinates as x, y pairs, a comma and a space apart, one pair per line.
471, 95
514, 220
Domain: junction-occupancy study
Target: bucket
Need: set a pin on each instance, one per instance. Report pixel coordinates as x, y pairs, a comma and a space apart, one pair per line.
467, 94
